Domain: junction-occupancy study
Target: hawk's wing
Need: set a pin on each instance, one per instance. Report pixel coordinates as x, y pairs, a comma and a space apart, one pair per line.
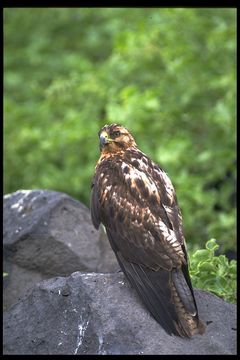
136, 202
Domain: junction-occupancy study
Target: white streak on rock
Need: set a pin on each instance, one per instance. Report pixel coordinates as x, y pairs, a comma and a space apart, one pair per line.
82, 326
18, 206
100, 350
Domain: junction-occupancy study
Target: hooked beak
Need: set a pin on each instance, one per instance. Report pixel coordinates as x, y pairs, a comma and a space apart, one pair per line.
104, 139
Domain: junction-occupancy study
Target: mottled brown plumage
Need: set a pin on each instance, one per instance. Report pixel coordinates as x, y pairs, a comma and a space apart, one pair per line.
135, 200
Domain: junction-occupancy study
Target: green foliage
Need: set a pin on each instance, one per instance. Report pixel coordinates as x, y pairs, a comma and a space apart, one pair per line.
214, 273
169, 75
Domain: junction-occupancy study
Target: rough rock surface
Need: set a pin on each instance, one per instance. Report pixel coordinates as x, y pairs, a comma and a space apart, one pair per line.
101, 314
47, 233
17, 281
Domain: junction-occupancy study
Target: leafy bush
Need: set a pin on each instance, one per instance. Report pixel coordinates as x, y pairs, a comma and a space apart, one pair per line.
214, 273
169, 75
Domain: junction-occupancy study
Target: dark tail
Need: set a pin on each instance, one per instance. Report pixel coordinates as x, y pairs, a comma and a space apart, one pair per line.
167, 296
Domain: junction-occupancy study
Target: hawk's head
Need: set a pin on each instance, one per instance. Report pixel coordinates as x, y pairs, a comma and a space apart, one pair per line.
114, 138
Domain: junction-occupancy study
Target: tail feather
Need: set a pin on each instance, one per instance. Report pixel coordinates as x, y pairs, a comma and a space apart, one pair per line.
168, 295
184, 292
155, 298
163, 299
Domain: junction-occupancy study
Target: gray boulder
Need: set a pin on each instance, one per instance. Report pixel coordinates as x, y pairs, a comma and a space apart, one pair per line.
45, 234
101, 314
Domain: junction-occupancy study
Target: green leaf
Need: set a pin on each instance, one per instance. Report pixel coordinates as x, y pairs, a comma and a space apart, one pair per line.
206, 266
200, 255
211, 245
214, 273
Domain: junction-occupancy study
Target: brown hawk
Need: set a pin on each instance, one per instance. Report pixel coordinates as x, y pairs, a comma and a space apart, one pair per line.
136, 202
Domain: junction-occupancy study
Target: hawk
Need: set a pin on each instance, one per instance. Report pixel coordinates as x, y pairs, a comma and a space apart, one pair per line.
136, 202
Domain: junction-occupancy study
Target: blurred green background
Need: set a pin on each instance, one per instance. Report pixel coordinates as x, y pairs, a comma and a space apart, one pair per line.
169, 75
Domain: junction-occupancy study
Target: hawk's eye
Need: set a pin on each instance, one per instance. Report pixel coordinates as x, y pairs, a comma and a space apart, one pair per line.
116, 134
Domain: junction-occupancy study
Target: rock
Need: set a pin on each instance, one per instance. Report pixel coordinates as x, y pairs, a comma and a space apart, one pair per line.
17, 281
101, 314
47, 233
